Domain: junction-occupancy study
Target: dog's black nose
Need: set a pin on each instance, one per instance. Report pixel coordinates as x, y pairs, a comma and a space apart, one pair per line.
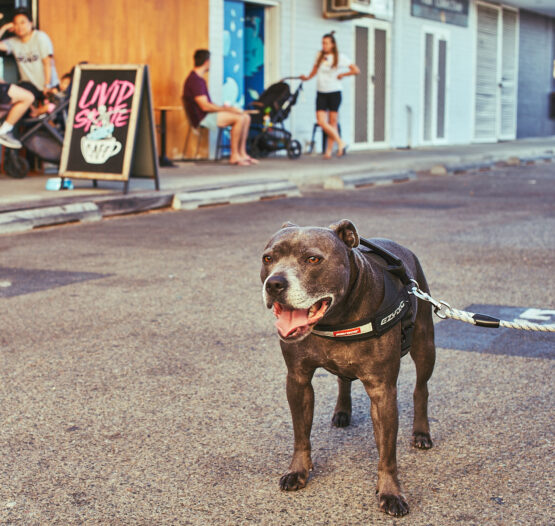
275, 285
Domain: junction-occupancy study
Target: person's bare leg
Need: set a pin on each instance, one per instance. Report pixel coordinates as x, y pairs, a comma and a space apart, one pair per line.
235, 120
329, 130
330, 142
21, 101
243, 142
333, 122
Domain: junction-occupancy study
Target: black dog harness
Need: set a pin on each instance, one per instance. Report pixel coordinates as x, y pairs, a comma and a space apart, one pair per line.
395, 307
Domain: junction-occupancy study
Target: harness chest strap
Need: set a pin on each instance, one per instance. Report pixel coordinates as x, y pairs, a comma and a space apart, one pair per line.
389, 315
395, 307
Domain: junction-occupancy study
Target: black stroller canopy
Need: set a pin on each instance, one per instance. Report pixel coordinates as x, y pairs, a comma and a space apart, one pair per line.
274, 96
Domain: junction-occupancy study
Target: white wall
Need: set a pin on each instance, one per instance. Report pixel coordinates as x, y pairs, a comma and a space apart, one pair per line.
408, 77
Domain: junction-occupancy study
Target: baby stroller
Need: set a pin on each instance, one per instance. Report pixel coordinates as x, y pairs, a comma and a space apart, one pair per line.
267, 133
43, 136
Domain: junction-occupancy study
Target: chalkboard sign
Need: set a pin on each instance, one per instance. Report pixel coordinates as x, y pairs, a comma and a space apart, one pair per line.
110, 128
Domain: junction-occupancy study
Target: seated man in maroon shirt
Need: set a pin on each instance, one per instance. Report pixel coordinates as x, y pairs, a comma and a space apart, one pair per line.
201, 110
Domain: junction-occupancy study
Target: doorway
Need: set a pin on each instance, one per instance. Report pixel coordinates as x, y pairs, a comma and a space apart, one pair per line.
435, 86
496, 73
245, 51
371, 122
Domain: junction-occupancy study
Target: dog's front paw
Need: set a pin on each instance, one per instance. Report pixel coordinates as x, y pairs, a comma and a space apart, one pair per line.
293, 481
422, 440
395, 505
341, 419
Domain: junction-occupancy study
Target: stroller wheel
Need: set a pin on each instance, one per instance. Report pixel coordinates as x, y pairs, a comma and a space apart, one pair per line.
14, 165
294, 149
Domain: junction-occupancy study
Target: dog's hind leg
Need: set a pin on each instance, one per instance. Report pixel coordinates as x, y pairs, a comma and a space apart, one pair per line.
423, 352
342, 412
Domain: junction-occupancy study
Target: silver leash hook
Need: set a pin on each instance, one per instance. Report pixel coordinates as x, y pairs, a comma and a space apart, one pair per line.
426, 297
438, 309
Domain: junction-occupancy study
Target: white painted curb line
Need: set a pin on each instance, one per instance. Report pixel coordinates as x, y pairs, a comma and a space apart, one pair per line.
23, 220
234, 194
349, 181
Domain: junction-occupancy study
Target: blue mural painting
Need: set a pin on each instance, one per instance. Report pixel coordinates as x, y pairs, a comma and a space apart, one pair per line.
254, 52
243, 52
234, 61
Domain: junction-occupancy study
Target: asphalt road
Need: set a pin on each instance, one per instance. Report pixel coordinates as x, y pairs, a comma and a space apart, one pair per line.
141, 381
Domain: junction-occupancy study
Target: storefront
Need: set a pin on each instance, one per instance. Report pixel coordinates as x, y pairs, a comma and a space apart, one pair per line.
433, 57
471, 71
432, 71
266, 40
160, 33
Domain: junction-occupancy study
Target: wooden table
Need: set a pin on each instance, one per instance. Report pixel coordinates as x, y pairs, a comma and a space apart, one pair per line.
164, 161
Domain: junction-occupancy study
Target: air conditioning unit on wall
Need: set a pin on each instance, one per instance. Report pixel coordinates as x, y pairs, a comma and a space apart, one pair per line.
348, 9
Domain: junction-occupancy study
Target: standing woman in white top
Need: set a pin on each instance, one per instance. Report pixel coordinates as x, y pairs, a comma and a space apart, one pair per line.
330, 66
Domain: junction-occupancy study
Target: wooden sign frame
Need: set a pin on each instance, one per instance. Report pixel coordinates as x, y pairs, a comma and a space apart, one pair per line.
92, 145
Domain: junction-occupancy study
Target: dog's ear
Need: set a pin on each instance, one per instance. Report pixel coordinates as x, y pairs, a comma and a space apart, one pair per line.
288, 224
347, 232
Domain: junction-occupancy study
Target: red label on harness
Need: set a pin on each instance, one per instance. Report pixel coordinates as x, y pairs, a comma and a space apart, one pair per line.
347, 332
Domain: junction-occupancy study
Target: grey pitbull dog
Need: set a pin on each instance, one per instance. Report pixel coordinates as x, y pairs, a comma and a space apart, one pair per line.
312, 275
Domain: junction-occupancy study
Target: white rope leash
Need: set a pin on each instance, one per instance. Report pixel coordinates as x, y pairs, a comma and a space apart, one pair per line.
444, 310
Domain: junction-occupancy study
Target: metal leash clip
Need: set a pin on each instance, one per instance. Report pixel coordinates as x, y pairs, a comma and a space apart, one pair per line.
438, 309
438, 305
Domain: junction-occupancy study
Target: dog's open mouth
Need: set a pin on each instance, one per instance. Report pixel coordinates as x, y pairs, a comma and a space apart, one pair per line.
294, 323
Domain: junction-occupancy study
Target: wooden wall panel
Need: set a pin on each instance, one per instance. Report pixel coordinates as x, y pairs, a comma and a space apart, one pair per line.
160, 33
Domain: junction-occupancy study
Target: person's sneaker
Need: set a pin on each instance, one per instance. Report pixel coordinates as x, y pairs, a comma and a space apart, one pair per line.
8, 140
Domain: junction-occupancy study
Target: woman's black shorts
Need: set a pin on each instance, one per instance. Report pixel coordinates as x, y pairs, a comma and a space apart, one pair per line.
328, 101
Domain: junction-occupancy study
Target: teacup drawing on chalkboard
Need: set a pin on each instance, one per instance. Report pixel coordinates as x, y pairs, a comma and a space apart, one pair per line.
98, 151
99, 144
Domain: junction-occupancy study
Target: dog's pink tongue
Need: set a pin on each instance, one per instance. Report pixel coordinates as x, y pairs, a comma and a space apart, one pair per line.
289, 319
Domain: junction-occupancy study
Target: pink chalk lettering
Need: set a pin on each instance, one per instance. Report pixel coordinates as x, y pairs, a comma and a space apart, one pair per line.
82, 120
95, 95
120, 115
83, 100
127, 89
102, 94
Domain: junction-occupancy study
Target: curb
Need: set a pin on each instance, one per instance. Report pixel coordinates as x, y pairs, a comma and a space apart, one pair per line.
95, 208
470, 167
361, 180
23, 220
28, 219
235, 194
134, 203
455, 168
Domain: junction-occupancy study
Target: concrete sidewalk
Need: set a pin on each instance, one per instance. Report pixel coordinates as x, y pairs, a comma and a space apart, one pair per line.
26, 204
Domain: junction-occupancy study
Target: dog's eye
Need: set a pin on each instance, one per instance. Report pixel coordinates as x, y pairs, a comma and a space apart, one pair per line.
267, 259
314, 259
